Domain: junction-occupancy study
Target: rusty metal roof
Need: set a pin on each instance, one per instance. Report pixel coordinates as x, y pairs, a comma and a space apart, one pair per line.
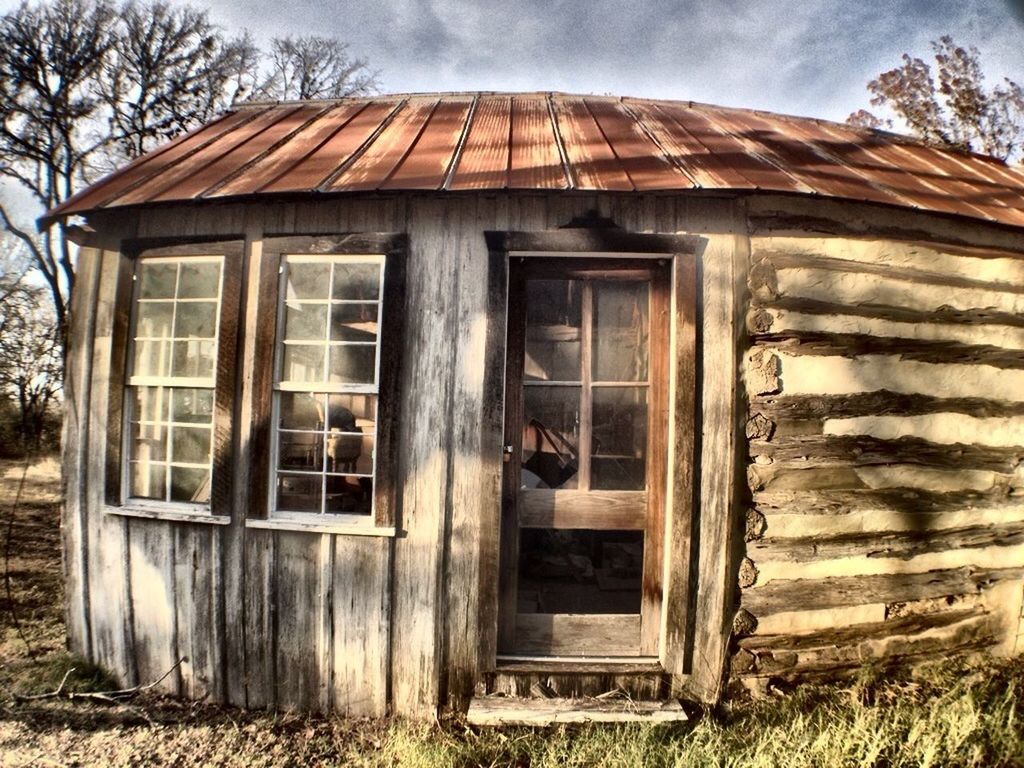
550, 141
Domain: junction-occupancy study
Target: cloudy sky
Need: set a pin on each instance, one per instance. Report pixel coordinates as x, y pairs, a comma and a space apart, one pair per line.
809, 57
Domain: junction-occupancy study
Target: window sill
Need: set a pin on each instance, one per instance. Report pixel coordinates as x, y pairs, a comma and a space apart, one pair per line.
167, 513
325, 526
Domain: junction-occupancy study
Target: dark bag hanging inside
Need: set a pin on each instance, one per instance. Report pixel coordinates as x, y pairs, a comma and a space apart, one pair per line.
554, 468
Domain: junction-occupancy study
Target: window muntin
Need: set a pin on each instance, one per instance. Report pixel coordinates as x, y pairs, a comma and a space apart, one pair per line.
326, 385
172, 365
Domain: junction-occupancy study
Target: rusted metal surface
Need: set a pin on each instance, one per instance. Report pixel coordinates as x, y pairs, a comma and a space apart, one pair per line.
546, 141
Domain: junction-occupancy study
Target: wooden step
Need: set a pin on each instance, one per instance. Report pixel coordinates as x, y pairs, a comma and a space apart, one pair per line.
511, 710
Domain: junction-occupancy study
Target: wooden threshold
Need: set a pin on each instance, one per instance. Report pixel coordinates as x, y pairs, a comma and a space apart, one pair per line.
510, 710
557, 665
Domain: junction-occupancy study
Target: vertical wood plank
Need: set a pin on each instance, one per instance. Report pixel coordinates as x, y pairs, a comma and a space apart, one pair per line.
426, 438
715, 527
361, 616
296, 599
74, 452
682, 443
195, 600
476, 454
154, 618
109, 557
258, 611
232, 593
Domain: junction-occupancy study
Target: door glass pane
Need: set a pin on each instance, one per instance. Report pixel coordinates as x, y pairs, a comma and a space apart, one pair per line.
619, 448
621, 323
553, 321
580, 571
551, 423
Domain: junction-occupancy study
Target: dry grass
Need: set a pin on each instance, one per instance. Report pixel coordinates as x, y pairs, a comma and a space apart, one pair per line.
947, 717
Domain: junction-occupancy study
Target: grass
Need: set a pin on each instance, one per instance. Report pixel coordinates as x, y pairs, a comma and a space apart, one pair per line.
944, 716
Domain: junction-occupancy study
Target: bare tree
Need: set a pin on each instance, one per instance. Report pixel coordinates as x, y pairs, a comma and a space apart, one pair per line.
955, 110
31, 362
84, 84
314, 67
169, 69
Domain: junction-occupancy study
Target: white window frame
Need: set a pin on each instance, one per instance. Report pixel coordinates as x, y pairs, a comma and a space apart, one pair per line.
323, 388
131, 382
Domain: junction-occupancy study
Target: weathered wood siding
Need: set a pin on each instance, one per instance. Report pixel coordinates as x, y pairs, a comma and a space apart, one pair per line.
886, 439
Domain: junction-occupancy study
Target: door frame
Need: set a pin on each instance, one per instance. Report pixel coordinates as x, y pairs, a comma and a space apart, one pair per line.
681, 441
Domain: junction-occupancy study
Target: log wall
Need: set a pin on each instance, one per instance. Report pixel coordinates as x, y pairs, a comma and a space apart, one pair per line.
885, 378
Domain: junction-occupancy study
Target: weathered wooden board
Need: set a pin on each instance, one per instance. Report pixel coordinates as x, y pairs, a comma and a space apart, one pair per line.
835, 592
417, 598
74, 453
110, 584
296, 600
361, 627
505, 711
993, 267
153, 591
813, 375
195, 571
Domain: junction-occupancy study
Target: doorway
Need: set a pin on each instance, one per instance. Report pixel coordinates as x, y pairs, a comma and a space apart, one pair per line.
584, 473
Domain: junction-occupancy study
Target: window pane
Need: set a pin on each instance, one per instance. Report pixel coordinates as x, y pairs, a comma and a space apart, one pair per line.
620, 331
154, 319
353, 364
349, 495
618, 460
550, 437
352, 413
354, 322
580, 571
553, 320
299, 410
151, 403
356, 281
156, 280
303, 363
305, 322
299, 493
199, 281
148, 442
148, 481
194, 359
301, 450
349, 452
152, 358
308, 280
196, 319
190, 445
190, 484
192, 405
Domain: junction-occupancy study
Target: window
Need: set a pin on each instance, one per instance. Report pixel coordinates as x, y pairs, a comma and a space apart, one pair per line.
332, 322
326, 384
172, 378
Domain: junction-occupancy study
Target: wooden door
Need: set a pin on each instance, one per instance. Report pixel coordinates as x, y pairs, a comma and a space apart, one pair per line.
584, 474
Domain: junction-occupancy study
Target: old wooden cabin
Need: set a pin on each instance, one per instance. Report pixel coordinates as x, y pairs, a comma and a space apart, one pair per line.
380, 405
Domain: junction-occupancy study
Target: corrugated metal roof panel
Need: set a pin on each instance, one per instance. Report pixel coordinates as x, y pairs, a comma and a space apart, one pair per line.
286, 158
536, 160
427, 162
538, 141
484, 160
